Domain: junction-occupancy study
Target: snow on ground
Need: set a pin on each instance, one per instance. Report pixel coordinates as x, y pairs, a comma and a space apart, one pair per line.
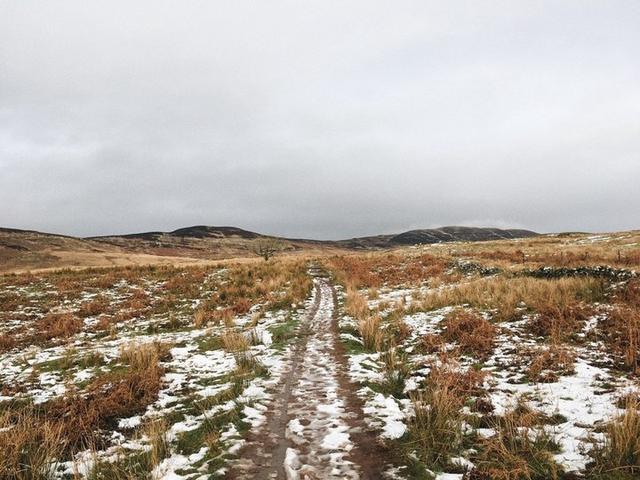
583, 400
196, 371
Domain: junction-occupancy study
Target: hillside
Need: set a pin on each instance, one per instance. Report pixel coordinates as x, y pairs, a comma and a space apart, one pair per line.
24, 249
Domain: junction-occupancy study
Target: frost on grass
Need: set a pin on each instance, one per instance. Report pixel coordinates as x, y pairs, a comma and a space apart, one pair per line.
564, 385
111, 329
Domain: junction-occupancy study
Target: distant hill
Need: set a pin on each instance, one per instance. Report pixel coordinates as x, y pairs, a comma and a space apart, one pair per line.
30, 249
458, 234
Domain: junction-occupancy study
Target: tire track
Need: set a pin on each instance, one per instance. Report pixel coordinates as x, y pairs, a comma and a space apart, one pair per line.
315, 428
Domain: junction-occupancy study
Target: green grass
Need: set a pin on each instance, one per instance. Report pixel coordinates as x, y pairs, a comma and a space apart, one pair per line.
283, 333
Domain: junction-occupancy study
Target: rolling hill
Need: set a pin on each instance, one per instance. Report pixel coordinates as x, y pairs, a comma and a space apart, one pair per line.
25, 249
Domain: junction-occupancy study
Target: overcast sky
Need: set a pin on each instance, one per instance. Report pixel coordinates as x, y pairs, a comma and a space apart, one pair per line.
325, 119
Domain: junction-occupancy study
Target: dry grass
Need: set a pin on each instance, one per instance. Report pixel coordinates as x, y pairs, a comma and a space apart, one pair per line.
432, 343
630, 294
621, 330
144, 356
517, 451
510, 297
377, 269
109, 397
549, 363
234, 341
93, 307
356, 304
619, 452
30, 445
156, 433
436, 430
371, 333
471, 331
7, 342
58, 325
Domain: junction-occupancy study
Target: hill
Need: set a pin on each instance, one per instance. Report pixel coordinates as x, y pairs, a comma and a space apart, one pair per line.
26, 249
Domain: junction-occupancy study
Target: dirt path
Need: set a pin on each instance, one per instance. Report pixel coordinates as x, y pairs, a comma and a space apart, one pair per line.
315, 427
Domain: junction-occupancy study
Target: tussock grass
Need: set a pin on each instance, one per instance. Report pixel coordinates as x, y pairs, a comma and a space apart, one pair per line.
509, 297
550, 362
144, 356
396, 369
471, 331
618, 455
356, 304
30, 445
371, 332
93, 307
58, 325
517, 451
234, 341
436, 431
621, 331
119, 394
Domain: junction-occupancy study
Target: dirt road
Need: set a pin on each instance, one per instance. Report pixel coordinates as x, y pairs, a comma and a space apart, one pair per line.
315, 428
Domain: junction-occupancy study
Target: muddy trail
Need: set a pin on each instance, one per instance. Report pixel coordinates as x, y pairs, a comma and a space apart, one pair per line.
315, 427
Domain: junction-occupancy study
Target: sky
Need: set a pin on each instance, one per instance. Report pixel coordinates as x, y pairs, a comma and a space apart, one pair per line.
320, 119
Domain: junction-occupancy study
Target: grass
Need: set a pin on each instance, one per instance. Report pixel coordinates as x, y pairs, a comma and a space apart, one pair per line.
397, 369
548, 363
30, 445
617, 456
234, 341
377, 269
371, 333
471, 331
283, 332
509, 297
436, 429
517, 451
621, 331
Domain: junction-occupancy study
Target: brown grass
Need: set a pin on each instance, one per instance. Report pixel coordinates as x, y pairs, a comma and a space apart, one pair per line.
29, 445
371, 333
356, 304
436, 430
108, 398
510, 297
518, 451
621, 329
7, 342
391, 269
471, 331
144, 356
549, 363
234, 341
620, 450
94, 307
432, 343
58, 325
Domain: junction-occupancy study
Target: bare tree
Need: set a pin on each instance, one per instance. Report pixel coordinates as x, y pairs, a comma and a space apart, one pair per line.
266, 247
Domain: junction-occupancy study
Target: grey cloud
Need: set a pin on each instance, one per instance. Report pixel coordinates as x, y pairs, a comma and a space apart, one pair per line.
320, 119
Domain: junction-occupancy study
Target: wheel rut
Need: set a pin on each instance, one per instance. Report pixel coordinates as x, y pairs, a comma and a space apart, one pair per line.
315, 427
